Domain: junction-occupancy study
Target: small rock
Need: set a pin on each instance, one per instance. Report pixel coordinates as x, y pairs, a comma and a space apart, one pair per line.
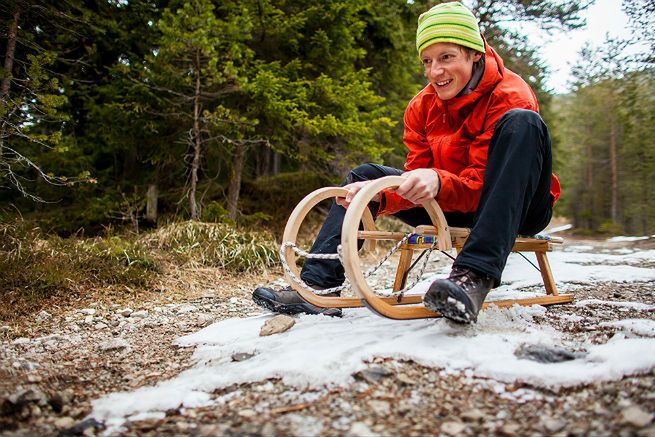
56, 401
276, 325
552, 425
473, 415
139, 314
381, 408
637, 417
204, 320
510, 430
405, 379
546, 354
114, 344
83, 427
88, 311
64, 423
126, 312
373, 374
242, 356
360, 429
268, 430
88, 320
100, 326
21, 340
247, 413
5, 328
452, 428
43, 316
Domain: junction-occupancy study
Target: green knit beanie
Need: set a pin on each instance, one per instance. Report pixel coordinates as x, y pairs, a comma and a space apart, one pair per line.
448, 22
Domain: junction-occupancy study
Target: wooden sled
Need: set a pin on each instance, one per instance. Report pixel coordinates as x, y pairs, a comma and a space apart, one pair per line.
439, 235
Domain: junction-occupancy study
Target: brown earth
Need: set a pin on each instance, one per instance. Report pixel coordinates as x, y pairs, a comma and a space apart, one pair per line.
51, 369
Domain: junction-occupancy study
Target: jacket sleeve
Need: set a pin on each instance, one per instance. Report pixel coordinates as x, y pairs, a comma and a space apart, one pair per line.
458, 192
419, 155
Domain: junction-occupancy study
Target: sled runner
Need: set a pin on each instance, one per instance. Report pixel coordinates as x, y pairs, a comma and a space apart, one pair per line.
439, 236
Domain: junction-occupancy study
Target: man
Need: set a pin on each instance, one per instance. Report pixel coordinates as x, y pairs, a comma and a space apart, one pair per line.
475, 143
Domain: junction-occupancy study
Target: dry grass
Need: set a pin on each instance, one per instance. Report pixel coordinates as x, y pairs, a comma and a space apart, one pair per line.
215, 245
38, 271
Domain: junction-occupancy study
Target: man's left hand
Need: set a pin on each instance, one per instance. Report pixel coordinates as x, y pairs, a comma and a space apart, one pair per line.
420, 185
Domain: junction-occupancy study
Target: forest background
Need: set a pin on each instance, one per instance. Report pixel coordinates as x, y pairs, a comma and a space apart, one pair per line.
121, 115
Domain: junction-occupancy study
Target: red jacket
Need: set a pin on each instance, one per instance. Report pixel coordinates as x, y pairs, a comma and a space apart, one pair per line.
452, 137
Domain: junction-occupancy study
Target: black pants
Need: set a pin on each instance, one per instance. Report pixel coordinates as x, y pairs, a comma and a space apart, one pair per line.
515, 199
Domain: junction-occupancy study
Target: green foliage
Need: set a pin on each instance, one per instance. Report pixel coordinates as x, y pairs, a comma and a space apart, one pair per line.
216, 213
607, 186
216, 245
277, 195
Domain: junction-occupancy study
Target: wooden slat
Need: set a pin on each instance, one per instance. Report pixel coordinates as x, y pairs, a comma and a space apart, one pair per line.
403, 266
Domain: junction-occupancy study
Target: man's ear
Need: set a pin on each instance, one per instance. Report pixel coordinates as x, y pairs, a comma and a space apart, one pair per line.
477, 57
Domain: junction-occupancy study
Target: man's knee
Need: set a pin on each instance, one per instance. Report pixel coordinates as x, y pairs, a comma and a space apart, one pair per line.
522, 117
363, 172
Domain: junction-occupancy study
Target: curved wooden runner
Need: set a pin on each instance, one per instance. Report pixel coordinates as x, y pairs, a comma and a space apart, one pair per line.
351, 260
291, 235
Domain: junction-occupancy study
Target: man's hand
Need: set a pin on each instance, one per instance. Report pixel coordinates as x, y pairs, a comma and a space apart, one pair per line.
420, 186
353, 189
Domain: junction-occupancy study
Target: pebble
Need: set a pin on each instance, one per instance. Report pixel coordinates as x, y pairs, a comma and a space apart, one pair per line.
43, 316
360, 429
546, 354
248, 413
204, 320
405, 379
100, 326
381, 408
114, 344
373, 374
637, 417
510, 429
452, 428
64, 422
125, 312
276, 325
242, 356
88, 311
473, 415
139, 314
552, 425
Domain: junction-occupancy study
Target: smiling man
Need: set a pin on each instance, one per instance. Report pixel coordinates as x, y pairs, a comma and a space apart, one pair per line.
477, 145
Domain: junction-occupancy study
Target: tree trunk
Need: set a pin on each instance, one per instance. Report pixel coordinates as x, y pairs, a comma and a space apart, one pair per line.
614, 208
151, 204
235, 181
197, 143
276, 163
9, 56
8, 67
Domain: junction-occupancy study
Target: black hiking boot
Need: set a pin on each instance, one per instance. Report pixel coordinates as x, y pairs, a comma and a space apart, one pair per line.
288, 301
460, 296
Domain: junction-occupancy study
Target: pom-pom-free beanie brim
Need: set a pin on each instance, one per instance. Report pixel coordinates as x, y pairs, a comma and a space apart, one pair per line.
449, 22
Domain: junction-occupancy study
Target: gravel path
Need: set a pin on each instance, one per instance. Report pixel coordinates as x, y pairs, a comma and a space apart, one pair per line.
49, 378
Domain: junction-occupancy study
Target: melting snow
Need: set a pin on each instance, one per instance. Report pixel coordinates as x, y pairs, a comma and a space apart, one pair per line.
322, 351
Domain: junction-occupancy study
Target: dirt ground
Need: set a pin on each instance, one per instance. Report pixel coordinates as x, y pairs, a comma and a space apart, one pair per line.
53, 365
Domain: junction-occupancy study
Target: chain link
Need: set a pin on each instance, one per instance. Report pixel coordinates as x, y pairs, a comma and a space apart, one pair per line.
339, 256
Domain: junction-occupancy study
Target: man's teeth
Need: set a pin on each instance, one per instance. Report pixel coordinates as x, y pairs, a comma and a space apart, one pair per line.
445, 82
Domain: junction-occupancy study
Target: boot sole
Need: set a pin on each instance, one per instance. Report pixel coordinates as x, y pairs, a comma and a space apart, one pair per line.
290, 309
453, 308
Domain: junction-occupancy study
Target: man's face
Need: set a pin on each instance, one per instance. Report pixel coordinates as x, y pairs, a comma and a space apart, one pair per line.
448, 67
